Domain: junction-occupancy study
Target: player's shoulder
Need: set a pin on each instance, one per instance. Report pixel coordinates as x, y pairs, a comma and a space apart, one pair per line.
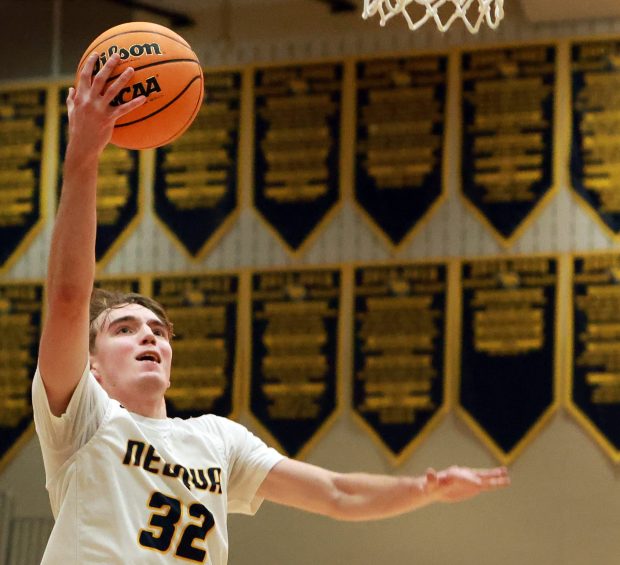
222, 433
207, 423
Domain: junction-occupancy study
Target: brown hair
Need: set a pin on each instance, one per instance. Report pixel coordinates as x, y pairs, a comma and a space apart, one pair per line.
102, 300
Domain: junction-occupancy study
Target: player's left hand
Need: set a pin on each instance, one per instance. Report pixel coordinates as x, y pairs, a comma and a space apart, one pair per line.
460, 483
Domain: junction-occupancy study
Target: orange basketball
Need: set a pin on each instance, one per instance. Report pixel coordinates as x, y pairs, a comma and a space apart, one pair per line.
167, 72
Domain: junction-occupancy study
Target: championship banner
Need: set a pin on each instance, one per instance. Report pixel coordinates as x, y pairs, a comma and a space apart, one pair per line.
401, 115
510, 350
297, 148
22, 131
293, 391
119, 200
196, 177
21, 305
595, 159
121, 284
204, 312
507, 142
594, 360
400, 347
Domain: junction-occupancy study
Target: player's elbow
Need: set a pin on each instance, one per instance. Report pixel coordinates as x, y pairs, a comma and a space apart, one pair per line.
341, 504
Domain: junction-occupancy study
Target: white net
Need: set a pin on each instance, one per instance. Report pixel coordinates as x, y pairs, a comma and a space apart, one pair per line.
443, 12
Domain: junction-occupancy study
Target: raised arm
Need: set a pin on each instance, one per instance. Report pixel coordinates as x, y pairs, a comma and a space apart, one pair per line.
359, 496
63, 350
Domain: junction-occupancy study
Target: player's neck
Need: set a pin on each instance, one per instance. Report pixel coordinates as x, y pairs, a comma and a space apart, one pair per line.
155, 409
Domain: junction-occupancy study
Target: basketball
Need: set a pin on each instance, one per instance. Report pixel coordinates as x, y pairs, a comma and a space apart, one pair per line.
167, 72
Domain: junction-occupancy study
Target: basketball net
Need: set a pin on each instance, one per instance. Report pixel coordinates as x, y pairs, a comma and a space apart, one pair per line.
444, 12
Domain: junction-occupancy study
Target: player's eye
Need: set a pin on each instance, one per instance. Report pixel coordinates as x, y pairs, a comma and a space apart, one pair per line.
123, 330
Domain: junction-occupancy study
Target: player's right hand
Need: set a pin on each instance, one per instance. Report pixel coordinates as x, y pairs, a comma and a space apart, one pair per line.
91, 115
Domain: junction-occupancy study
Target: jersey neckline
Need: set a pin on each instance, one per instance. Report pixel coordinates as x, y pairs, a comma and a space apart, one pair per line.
158, 424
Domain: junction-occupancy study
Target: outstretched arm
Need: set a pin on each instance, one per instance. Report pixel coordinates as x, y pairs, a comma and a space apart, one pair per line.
358, 496
63, 351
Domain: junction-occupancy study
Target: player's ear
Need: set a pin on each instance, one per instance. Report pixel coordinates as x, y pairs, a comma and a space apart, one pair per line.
94, 369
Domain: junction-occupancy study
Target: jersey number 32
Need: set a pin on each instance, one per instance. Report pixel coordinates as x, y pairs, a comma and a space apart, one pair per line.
163, 526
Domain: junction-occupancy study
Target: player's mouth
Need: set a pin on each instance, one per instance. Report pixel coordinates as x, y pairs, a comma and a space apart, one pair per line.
149, 357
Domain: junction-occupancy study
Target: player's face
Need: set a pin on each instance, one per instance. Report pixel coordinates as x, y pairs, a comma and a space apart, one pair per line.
132, 356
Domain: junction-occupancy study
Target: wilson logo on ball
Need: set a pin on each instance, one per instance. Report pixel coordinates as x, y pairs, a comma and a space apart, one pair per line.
136, 50
146, 88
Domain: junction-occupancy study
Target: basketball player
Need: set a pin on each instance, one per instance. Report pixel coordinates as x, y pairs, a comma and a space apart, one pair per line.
128, 485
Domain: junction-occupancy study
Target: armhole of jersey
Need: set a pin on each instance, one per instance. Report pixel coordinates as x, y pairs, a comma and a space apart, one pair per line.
112, 405
219, 423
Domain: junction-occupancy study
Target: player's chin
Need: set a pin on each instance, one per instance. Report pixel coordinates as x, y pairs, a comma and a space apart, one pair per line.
153, 379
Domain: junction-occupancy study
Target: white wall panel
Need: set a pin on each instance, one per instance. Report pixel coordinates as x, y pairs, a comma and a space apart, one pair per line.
5, 520
28, 540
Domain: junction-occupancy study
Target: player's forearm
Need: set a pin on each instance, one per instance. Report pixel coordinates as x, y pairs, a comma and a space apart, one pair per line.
71, 267
357, 496
372, 497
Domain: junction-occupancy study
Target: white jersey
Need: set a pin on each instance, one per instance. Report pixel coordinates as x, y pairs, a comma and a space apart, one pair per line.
129, 489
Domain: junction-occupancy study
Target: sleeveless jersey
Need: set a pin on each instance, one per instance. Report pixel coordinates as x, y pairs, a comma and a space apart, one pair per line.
130, 489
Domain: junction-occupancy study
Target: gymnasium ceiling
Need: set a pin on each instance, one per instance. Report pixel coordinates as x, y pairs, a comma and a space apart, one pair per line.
534, 10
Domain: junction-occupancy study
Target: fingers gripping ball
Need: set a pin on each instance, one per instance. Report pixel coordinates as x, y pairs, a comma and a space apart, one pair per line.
167, 72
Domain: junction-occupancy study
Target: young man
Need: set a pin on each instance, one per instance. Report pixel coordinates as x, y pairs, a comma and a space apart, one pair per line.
126, 483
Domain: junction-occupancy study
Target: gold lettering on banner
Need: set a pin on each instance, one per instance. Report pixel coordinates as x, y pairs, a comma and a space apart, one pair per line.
21, 138
190, 197
398, 324
20, 308
295, 368
400, 118
119, 284
298, 104
114, 187
599, 103
599, 302
199, 167
198, 306
508, 304
509, 90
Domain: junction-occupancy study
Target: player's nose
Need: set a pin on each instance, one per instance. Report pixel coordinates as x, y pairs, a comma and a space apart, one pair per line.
147, 335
